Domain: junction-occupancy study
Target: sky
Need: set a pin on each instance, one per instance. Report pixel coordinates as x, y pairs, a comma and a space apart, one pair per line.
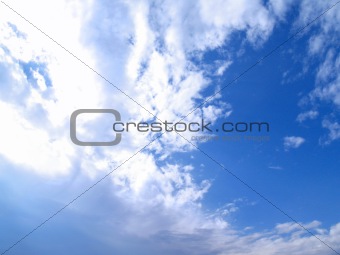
242, 192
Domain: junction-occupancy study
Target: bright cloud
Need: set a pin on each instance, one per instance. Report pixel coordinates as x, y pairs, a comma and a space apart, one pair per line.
292, 142
307, 115
334, 131
153, 55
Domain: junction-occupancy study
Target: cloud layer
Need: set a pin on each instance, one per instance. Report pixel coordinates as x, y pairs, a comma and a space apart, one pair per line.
153, 52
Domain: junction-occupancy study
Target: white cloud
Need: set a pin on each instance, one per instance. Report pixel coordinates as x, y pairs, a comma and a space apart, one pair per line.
157, 66
290, 227
222, 17
148, 53
37, 115
334, 131
223, 67
307, 115
316, 44
275, 167
286, 237
292, 142
329, 92
327, 69
32, 148
280, 7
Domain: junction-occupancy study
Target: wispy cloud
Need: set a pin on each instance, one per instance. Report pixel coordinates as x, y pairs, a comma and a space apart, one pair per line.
292, 142
307, 115
334, 131
150, 53
223, 66
275, 167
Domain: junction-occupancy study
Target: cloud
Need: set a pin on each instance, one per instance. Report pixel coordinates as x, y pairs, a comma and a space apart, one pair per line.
32, 148
315, 44
334, 131
307, 115
275, 167
151, 51
223, 66
292, 142
280, 7
150, 56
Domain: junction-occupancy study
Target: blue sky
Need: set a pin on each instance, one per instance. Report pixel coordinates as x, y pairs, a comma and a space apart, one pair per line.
170, 57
